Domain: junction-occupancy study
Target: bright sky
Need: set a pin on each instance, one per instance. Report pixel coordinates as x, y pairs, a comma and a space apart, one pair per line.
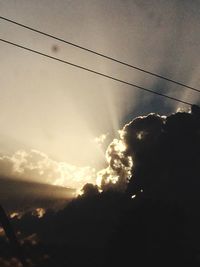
59, 110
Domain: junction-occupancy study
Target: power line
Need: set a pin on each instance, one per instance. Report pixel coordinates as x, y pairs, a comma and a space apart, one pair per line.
102, 55
94, 72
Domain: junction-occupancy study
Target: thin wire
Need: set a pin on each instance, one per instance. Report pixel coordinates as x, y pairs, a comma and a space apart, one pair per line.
102, 55
95, 72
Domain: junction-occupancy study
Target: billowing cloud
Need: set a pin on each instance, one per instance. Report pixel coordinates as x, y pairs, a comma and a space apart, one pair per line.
32, 180
119, 167
153, 177
151, 152
123, 154
38, 167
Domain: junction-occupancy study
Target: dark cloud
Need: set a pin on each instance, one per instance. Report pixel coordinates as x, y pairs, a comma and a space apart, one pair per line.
90, 190
23, 195
166, 156
152, 219
160, 154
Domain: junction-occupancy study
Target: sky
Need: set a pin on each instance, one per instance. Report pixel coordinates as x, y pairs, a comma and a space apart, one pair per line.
64, 113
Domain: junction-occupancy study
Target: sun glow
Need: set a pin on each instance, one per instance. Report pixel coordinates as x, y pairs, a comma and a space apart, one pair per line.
37, 166
74, 175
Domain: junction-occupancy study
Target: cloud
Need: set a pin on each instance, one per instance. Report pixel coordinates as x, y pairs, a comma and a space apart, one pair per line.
13, 262
31, 179
38, 167
136, 139
152, 152
149, 199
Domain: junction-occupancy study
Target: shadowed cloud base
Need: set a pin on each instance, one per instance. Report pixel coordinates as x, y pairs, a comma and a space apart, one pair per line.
149, 215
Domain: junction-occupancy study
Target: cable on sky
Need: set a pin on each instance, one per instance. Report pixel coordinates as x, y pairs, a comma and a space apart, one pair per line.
95, 72
102, 55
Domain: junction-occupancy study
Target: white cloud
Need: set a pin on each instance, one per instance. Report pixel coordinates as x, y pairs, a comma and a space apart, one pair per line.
37, 166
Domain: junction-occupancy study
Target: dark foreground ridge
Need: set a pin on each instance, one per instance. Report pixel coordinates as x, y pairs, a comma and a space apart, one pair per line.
153, 221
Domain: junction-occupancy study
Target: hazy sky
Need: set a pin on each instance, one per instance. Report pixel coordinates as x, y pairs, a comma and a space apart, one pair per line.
59, 110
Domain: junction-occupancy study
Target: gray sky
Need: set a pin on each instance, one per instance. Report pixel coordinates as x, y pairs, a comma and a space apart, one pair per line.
59, 110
